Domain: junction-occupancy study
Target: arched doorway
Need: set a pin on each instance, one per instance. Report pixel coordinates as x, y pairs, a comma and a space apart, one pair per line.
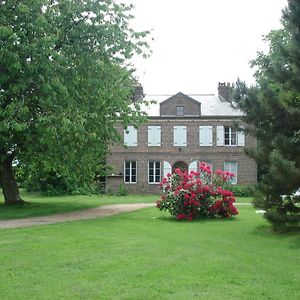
180, 165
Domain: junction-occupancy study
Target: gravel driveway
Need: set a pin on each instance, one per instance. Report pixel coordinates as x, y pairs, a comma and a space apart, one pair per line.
91, 213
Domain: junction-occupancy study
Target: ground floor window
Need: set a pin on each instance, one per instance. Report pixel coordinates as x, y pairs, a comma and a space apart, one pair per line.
231, 166
130, 172
154, 172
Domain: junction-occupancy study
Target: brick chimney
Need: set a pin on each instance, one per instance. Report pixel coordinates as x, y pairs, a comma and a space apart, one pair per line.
224, 90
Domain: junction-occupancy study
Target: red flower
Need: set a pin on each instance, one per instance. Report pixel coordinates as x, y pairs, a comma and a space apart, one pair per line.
180, 216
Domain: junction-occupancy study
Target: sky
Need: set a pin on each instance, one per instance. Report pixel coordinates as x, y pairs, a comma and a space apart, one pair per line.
198, 43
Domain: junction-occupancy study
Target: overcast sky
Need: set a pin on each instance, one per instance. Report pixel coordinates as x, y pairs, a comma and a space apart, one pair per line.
198, 43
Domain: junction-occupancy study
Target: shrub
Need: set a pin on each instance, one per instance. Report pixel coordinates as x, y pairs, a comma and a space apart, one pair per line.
245, 190
122, 190
197, 195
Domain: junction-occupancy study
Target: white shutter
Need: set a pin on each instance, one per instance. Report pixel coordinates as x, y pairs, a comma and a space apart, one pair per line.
179, 136
130, 136
220, 135
205, 136
167, 168
241, 138
154, 135
193, 166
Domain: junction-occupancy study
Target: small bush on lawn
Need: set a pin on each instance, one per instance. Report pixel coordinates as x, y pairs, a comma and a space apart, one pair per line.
245, 190
197, 195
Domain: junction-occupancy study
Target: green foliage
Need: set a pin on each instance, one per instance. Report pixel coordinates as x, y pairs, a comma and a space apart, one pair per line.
122, 190
273, 107
242, 190
65, 82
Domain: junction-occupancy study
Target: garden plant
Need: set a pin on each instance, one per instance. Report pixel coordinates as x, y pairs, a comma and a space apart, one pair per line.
195, 195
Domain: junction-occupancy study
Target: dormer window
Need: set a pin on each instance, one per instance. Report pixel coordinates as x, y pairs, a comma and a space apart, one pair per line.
179, 110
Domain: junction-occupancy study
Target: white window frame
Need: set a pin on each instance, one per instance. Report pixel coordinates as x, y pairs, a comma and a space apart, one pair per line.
231, 132
234, 180
179, 141
206, 136
154, 136
130, 172
156, 167
130, 136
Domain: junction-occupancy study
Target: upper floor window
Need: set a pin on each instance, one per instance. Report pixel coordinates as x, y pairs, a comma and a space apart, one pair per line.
154, 135
230, 136
180, 137
130, 172
130, 136
154, 172
179, 110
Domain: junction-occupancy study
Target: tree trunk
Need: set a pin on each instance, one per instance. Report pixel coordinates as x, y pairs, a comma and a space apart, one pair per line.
8, 183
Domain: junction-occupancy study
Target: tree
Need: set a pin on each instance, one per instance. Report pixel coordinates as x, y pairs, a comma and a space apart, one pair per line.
273, 106
65, 81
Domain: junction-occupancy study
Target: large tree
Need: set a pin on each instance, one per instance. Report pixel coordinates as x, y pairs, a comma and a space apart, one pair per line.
65, 81
273, 106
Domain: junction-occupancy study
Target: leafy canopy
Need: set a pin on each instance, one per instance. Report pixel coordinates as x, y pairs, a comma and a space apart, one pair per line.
65, 80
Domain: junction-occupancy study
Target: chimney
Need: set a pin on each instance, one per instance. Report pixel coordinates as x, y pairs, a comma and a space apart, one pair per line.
224, 91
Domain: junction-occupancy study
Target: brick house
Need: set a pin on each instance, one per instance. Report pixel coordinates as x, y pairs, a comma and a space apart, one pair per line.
182, 130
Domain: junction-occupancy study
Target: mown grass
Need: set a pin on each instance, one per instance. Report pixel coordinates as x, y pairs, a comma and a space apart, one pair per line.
148, 255
45, 205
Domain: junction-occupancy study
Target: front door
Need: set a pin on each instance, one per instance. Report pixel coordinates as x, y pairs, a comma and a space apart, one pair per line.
180, 165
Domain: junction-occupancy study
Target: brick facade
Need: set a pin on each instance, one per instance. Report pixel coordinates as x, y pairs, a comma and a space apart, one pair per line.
142, 153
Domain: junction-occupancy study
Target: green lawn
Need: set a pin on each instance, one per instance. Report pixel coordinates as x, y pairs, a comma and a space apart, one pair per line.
45, 205
148, 255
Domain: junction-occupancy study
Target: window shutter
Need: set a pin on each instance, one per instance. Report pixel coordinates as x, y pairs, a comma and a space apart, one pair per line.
167, 168
179, 136
154, 136
193, 166
205, 136
130, 138
241, 138
220, 135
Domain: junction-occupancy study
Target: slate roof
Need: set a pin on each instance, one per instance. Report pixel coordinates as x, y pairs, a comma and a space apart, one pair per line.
211, 105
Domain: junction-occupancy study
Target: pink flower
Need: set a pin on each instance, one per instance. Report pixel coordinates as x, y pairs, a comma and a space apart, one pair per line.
180, 216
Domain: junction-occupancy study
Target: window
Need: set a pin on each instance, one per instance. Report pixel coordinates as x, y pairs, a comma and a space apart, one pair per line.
154, 172
230, 136
205, 136
130, 136
231, 166
179, 136
154, 136
179, 110
130, 173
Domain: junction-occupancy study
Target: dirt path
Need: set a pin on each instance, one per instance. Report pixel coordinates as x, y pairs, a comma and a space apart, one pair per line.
91, 213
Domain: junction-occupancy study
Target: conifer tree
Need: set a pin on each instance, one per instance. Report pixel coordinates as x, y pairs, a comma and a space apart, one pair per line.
272, 105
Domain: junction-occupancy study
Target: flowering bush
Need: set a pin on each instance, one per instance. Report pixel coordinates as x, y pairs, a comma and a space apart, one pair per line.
198, 194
